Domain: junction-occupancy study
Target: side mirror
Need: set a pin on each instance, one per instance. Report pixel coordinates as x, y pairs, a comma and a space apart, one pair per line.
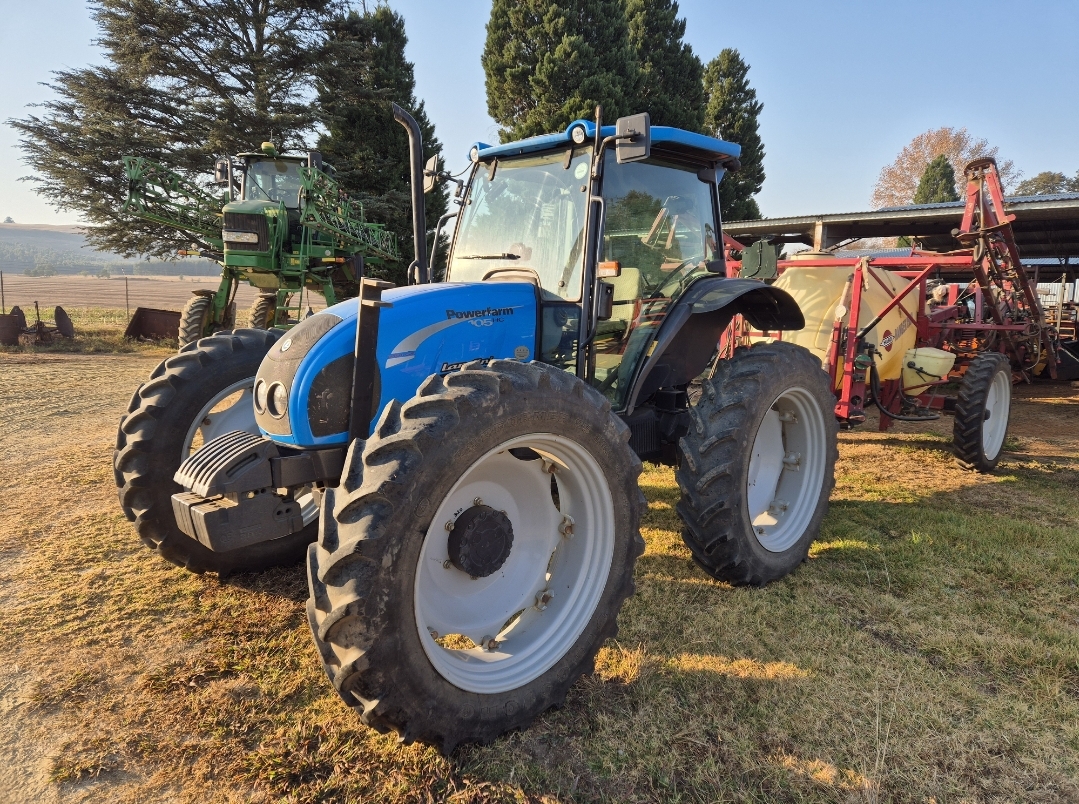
430, 174
634, 138
604, 301
221, 173
314, 159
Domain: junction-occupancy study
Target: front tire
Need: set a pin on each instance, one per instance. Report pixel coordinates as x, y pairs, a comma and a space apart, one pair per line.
758, 464
982, 412
448, 644
263, 311
197, 395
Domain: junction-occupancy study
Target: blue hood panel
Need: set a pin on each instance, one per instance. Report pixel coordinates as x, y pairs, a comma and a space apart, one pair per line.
428, 329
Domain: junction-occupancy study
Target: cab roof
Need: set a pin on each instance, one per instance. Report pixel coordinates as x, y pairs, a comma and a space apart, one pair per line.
698, 146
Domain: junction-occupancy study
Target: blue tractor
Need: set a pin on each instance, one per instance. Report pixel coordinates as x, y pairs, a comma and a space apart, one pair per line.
467, 451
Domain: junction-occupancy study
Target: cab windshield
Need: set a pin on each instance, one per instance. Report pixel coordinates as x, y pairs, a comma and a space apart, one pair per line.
276, 180
526, 213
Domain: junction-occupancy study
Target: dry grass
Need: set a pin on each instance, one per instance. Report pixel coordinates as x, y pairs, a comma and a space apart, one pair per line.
928, 651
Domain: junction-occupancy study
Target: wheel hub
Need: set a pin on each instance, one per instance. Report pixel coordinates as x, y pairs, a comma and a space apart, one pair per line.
480, 541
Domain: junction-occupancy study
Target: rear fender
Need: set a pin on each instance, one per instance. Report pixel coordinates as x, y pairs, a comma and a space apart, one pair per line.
688, 336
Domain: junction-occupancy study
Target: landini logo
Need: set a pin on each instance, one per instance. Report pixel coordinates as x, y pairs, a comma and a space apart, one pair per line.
488, 311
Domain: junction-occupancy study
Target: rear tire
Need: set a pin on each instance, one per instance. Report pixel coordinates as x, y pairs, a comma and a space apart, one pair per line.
758, 464
380, 578
982, 412
156, 434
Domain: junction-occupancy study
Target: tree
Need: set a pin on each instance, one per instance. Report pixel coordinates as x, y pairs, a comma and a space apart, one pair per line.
898, 182
731, 113
8, 219
937, 183
1048, 183
548, 63
185, 81
670, 90
364, 70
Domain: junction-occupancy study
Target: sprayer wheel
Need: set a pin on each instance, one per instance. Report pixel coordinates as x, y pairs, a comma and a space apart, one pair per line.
199, 394
982, 412
195, 319
758, 464
261, 314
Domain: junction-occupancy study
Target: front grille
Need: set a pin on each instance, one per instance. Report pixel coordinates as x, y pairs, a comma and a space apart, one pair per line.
246, 222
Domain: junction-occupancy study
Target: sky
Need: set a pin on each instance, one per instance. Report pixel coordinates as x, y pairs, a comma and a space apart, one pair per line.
845, 83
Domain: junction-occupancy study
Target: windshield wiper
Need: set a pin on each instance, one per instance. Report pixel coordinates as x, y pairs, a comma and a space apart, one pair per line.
503, 256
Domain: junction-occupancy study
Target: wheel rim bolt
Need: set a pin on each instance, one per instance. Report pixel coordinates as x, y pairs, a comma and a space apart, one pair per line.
490, 643
542, 599
477, 501
566, 526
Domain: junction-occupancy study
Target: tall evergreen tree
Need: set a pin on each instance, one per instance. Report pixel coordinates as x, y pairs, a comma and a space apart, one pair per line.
184, 81
364, 70
731, 113
937, 183
671, 90
549, 62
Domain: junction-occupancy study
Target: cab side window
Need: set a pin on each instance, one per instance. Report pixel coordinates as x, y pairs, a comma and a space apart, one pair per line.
660, 228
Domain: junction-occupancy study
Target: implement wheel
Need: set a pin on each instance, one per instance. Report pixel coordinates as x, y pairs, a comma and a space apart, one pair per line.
476, 554
982, 412
190, 399
758, 464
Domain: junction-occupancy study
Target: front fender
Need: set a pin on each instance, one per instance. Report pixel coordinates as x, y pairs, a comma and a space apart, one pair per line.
688, 336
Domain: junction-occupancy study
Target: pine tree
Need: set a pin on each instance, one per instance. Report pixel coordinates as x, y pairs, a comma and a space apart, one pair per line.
731, 113
364, 70
671, 90
937, 183
184, 82
549, 63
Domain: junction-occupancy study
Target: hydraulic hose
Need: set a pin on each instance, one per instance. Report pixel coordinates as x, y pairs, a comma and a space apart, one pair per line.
874, 382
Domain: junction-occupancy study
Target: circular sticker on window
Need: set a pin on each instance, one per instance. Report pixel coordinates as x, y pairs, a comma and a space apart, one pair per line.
521, 353
581, 170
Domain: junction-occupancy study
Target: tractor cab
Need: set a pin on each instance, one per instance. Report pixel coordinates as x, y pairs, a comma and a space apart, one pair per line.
620, 235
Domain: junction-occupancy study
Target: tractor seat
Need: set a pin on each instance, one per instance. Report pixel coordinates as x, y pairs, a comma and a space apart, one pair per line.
627, 290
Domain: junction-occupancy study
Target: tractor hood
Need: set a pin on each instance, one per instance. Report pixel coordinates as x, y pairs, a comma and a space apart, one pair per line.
427, 329
250, 207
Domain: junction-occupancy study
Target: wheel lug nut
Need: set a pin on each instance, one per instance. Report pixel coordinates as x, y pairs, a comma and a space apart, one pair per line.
447, 564
565, 527
490, 643
449, 524
542, 599
477, 501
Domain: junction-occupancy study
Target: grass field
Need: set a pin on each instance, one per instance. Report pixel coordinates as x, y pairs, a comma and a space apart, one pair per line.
928, 651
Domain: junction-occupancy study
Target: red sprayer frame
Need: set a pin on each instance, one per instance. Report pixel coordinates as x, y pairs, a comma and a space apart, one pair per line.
998, 310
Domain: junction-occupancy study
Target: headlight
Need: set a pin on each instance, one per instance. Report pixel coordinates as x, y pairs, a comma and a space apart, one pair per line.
578, 135
239, 237
261, 391
277, 400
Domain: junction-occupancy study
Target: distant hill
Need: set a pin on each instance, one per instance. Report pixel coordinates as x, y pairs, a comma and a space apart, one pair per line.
43, 248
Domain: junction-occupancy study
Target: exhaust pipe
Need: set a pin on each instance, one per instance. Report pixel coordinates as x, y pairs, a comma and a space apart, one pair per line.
419, 220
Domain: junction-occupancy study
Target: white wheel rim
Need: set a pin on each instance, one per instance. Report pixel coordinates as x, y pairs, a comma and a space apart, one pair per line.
238, 414
786, 470
572, 568
997, 408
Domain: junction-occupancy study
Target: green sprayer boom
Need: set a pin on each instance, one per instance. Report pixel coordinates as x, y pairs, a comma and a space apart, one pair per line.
155, 193
324, 208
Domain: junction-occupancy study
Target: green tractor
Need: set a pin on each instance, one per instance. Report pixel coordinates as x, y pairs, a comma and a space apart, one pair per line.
282, 223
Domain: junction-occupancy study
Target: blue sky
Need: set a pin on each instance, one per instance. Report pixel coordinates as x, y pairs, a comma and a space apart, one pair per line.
845, 85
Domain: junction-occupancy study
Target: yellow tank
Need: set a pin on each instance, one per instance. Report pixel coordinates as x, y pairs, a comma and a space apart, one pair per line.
819, 292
